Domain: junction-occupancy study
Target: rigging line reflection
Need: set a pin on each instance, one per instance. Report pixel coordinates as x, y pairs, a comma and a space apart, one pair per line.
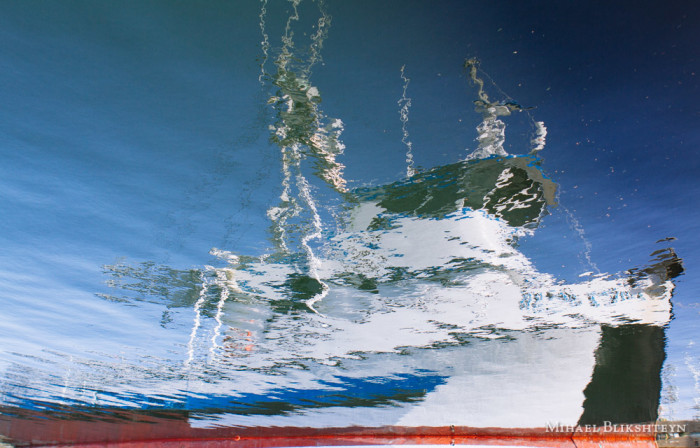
265, 42
404, 108
223, 282
444, 237
492, 136
197, 319
300, 132
417, 268
491, 131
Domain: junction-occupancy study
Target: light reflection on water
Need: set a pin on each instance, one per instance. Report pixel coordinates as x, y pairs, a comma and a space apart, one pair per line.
410, 300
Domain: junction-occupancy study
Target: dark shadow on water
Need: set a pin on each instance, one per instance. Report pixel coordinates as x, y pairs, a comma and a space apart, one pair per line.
626, 383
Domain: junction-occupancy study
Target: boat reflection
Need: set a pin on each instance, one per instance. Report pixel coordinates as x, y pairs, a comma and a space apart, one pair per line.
414, 306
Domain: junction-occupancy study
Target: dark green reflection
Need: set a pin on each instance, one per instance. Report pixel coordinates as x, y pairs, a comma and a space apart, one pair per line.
626, 383
511, 188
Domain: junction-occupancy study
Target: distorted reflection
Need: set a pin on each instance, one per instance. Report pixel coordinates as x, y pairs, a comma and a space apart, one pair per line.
412, 299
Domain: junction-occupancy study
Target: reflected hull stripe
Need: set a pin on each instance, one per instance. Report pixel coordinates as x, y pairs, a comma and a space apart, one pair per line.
171, 429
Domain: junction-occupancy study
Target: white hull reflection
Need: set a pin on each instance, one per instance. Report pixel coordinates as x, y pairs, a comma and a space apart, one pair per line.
526, 381
426, 287
419, 309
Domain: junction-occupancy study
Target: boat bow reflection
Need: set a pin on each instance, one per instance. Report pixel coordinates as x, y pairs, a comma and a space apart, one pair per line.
420, 278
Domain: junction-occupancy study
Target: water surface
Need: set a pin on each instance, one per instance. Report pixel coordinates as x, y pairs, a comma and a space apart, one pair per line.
334, 214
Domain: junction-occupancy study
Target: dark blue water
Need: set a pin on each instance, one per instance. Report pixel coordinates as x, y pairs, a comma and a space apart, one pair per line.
281, 213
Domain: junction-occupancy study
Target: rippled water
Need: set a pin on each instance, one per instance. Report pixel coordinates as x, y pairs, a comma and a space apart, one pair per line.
330, 214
